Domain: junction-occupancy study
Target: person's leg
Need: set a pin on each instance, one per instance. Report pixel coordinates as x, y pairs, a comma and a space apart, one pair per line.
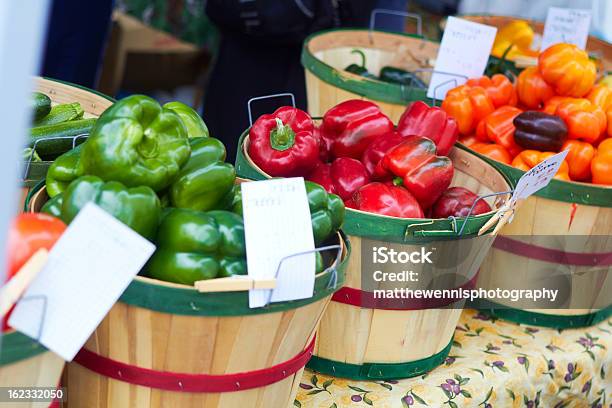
243, 70
76, 38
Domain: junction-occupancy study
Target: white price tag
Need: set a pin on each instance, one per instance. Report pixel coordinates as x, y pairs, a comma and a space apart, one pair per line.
88, 269
538, 177
277, 225
464, 51
564, 25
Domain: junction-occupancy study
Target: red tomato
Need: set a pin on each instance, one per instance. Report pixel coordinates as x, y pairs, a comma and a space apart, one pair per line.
28, 233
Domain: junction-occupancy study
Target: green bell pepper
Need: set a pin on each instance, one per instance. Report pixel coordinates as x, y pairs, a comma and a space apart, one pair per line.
138, 143
360, 70
63, 171
137, 207
326, 211
206, 179
194, 245
402, 77
53, 206
192, 121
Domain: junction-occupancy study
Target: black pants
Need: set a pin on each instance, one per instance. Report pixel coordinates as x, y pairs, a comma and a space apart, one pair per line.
246, 69
76, 37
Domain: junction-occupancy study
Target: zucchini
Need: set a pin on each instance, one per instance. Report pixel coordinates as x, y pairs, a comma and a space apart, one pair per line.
53, 140
61, 113
30, 155
41, 105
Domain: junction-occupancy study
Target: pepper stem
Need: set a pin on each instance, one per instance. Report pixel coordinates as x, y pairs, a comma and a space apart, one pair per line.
362, 55
282, 137
397, 181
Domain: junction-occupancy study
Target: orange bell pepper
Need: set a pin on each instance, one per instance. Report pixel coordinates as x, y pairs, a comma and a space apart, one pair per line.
579, 159
493, 151
530, 158
497, 127
498, 87
609, 118
551, 105
601, 95
468, 105
568, 69
601, 165
584, 120
532, 90
468, 140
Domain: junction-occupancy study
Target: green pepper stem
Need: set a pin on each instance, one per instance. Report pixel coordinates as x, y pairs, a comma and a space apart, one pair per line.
362, 55
282, 137
397, 181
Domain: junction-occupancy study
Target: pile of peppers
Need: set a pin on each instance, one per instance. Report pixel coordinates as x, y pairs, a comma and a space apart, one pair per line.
554, 106
357, 153
156, 169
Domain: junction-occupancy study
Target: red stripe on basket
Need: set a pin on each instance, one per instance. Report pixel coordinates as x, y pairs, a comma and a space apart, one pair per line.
184, 382
360, 298
551, 255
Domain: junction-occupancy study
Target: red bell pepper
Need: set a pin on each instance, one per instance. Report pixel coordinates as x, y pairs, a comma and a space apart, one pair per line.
284, 143
417, 167
386, 199
28, 233
375, 152
352, 125
432, 122
456, 202
343, 176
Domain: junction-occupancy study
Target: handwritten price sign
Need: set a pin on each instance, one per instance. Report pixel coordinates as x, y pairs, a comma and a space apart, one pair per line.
538, 177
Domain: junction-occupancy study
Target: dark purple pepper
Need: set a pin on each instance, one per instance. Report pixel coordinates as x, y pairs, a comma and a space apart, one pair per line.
539, 131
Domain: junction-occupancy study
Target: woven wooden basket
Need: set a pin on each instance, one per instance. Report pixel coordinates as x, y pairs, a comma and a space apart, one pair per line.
167, 345
365, 341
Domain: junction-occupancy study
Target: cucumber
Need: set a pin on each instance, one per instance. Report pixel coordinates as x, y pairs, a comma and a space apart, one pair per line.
53, 140
61, 113
41, 105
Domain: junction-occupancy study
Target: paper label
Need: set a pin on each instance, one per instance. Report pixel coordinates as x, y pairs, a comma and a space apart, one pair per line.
88, 269
564, 25
538, 177
277, 225
464, 53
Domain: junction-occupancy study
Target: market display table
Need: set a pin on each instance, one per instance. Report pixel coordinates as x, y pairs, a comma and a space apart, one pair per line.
493, 363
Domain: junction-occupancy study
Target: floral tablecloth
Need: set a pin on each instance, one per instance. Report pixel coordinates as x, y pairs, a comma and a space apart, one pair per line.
493, 363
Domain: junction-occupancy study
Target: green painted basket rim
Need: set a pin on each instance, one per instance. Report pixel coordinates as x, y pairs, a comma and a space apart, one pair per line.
185, 300
558, 190
372, 89
393, 229
17, 346
552, 321
379, 371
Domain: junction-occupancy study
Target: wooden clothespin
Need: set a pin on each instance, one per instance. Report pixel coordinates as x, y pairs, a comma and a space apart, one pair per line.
234, 284
501, 217
14, 288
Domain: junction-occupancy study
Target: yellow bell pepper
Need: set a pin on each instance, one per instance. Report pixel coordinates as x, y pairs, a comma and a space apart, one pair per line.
518, 33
